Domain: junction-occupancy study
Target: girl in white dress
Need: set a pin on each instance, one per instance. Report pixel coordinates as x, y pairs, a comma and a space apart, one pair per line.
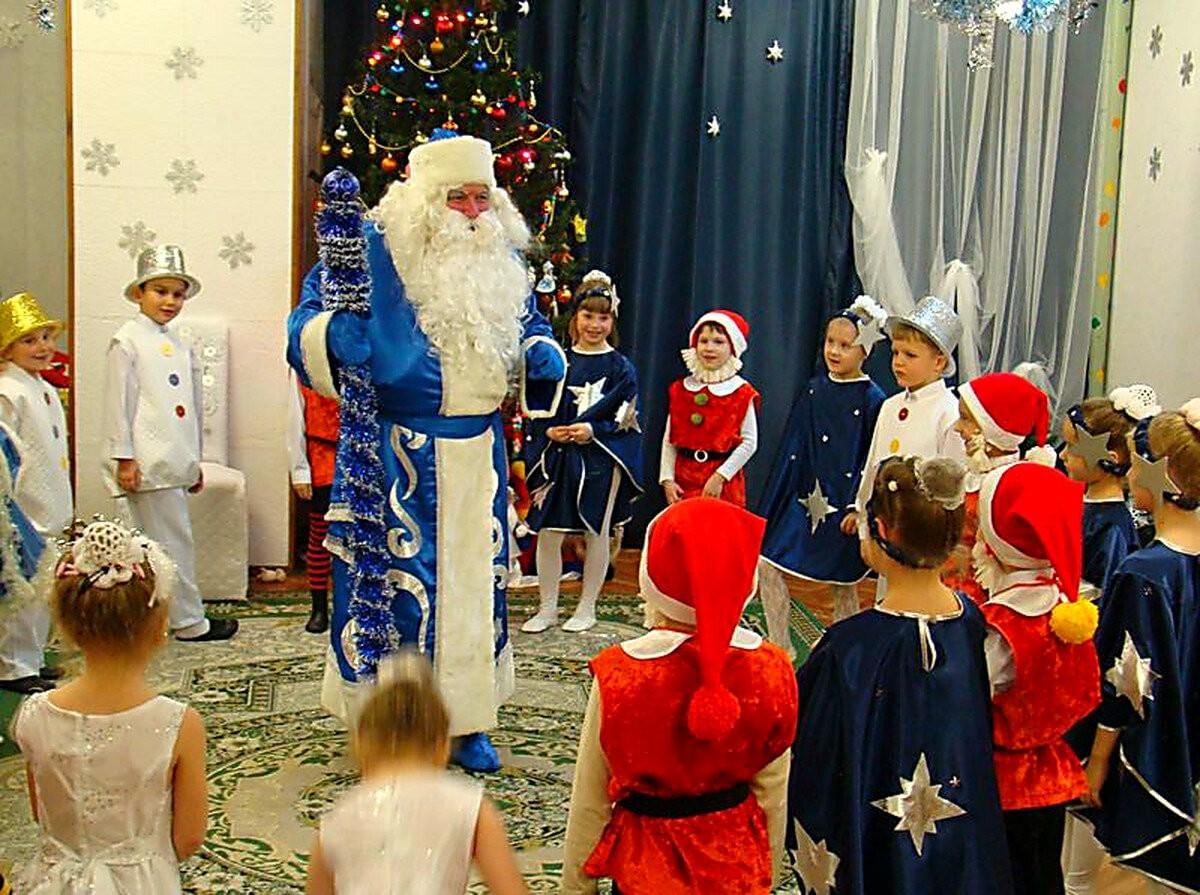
410, 827
115, 771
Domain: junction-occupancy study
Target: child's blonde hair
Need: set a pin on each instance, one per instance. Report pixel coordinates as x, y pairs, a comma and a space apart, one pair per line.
903, 332
405, 714
115, 618
1176, 436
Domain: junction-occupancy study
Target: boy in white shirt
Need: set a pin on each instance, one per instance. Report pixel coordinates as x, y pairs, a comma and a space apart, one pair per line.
31, 409
152, 403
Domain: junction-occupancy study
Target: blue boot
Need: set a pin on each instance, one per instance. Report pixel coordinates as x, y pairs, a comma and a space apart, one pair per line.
475, 752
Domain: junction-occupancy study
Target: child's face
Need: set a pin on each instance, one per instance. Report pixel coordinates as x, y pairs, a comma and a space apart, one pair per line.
33, 352
1076, 467
712, 348
1142, 498
161, 300
966, 427
915, 363
842, 356
593, 327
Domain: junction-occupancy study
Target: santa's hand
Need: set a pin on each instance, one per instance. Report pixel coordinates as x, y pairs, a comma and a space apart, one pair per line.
544, 362
348, 338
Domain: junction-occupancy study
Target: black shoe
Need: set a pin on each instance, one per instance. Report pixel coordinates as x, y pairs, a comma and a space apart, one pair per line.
27, 686
51, 673
611, 573
218, 629
318, 618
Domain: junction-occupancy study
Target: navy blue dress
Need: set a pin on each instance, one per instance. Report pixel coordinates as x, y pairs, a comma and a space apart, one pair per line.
826, 441
892, 703
570, 484
1108, 537
1149, 648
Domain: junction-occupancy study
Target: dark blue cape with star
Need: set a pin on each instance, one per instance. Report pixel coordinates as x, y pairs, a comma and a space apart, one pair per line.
827, 440
1151, 622
569, 484
869, 713
1108, 537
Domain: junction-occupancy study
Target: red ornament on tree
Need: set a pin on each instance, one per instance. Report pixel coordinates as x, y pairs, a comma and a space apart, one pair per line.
389, 164
499, 113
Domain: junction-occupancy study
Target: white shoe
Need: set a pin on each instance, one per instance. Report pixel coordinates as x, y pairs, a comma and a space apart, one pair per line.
543, 621
577, 623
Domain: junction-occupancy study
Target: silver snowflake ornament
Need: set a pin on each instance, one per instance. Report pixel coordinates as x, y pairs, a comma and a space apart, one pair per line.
184, 175
236, 250
136, 238
818, 506
184, 62
12, 34
1089, 448
257, 14
1156, 39
714, 127
919, 806
1154, 169
100, 157
724, 11
1132, 676
627, 417
815, 863
523, 8
42, 13
1186, 68
588, 394
100, 7
774, 52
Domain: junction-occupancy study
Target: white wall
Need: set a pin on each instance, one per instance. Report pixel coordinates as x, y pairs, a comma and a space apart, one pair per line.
1156, 286
234, 120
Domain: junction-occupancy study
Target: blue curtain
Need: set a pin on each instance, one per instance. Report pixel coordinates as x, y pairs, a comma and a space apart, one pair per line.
756, 219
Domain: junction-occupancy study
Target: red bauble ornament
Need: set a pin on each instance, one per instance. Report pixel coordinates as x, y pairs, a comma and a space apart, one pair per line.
499, 113
505, 162
444, 24
389, 164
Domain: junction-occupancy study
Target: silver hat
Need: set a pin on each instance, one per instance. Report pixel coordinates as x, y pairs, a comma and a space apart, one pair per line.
162, 261
933, 317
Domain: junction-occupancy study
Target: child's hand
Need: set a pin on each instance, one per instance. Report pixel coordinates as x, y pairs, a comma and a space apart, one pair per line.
672, 491
580, 433
129, 475
303, 490
559, 433
715, 485
850, 523
199, 486
1097, 774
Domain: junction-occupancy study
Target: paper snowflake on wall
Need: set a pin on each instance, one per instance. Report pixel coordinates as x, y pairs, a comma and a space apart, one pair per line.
184, 62
257, 14
236, 250
100, 7
135, 238
184, 175
100, 157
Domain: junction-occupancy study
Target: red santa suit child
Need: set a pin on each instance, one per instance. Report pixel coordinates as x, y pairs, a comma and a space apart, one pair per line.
1041, 660
712, 424
680, 785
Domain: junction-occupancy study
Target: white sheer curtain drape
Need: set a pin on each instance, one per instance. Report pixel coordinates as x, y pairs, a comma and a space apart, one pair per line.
976, 186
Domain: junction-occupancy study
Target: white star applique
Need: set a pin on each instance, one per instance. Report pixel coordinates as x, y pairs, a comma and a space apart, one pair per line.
588, 394
774, 52
1154, 477
538, 495
919, 806
1193, 832
868, 334
818, 506
1089, 448
714, 127
1132, 676
725, 11
627, 417
815, 863
523, 8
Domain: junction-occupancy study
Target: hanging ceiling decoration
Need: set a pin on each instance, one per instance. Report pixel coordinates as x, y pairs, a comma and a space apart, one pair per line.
977, 19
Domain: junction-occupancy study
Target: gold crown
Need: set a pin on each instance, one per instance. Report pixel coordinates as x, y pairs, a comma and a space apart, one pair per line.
21, 315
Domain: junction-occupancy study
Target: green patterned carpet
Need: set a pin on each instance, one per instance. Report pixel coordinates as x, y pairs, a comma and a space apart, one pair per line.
277, 761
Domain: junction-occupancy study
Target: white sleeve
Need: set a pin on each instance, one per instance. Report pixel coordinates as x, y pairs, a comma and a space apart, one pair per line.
744, 451
9, 415
120, 401
666, 463
999, 656
301, 472
867, 482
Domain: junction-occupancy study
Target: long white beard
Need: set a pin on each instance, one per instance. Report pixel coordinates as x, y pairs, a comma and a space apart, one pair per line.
464, 278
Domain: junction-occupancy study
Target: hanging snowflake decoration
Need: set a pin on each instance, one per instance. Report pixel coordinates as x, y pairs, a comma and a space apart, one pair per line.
1156, 39
100, 157
257, 14
41, 13
1154, 169
1028, 16
184, 62
184, 175
236, 251
100, 7
11, 34
1081, 11
135, 238
1186, 68
977, 19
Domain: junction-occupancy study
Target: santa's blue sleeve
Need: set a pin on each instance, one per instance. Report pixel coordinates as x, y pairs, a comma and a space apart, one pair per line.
545, 361
307, 351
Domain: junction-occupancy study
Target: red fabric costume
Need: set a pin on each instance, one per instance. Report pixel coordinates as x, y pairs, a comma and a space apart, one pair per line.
957, 573
1056, 685
703, 421
321, 434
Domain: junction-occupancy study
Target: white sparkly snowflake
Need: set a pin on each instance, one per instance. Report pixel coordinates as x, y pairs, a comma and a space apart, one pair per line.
100, 7
12, 35
257, 14
42, 13
184, 62
236, 250
100, 157
1155, 167
1186, 68
135, 238
184, 175
1156, 39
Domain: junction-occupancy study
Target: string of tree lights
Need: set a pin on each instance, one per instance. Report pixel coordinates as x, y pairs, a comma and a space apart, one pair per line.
450, 65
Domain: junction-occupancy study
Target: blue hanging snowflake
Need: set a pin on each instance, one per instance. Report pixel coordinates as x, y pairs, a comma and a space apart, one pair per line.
1034, 15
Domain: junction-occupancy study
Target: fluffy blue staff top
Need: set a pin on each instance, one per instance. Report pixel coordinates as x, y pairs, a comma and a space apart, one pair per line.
346, 287
1034, 15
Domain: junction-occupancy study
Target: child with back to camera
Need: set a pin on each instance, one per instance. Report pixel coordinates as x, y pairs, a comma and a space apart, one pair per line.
410, 827
116, 772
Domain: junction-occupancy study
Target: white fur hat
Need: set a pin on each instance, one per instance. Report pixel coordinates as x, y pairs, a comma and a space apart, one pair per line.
451, 162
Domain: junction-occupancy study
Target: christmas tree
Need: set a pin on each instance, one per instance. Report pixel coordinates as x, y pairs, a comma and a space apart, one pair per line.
449, 65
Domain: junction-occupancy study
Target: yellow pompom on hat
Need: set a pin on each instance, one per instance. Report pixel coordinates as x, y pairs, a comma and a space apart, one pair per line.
22, 314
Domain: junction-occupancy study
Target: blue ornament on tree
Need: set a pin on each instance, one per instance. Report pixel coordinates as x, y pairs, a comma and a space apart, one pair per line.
432, 85
480, 65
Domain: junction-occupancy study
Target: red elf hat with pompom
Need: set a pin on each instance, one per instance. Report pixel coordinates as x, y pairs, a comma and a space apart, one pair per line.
734, 325
1008, 408
695, 578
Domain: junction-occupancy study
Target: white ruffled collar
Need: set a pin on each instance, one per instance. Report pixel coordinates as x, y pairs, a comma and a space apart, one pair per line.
663, 641
700, 373
720, 389
1029, 592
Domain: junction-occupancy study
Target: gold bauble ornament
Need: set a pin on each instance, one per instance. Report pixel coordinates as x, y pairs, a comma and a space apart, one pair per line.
347, 150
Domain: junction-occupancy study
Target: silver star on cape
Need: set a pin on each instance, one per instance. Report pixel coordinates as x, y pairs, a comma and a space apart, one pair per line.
725, 11
868, 334
538, 495
588, 394
774, 52
1193, 833
523, 8
714, 127
815, 863
918, 805
818, 506
627, 417
1089, 448
1132, 676
1154, 477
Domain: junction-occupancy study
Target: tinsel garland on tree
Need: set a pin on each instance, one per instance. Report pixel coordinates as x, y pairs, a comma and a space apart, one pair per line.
346, 287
